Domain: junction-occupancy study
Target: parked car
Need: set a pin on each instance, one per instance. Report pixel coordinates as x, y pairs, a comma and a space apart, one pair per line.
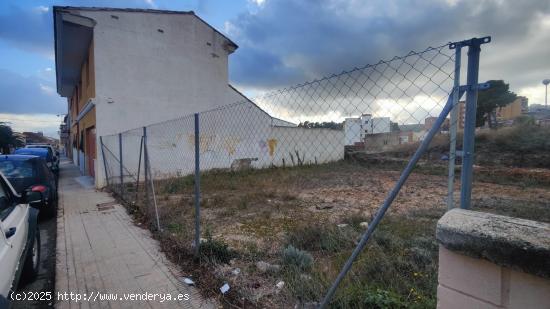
44, 153
20, 239
31, 173
54, 151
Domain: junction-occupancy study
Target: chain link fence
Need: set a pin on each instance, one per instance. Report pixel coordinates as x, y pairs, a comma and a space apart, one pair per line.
290, 180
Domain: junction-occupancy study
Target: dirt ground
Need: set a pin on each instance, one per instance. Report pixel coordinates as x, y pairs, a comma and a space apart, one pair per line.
252, 216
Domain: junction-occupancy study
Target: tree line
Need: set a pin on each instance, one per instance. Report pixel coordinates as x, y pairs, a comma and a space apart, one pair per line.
8, 139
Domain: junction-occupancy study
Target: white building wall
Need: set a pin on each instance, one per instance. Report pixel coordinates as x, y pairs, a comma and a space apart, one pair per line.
242, 131
352, 131
380, 125
144, 76
366, 125
357, 129
311, 145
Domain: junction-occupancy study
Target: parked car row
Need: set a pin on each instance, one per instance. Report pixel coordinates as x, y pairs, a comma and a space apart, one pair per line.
47, 152
28, 187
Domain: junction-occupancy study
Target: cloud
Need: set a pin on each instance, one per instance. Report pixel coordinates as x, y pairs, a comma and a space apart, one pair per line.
31, 28
288, 41
29, 95
28, 29
42, 9
48, 124
151, 3
258, 2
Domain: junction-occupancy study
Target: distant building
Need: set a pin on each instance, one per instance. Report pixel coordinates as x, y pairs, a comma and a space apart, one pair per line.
513, 110
410, 133
352, 129
505, 114
374, 125
36, 138
540, 114
357, 129
430, 122
380, 142
64, 135
524, 105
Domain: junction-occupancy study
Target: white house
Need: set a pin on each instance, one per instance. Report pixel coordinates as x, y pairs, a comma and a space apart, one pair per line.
122, 69
357, 129
352, 131
126, 68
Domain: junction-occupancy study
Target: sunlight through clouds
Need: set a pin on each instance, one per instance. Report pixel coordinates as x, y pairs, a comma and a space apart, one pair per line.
45, 123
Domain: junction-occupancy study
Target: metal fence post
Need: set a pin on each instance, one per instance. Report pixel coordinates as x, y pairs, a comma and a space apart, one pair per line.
474, 49
149, 180
197, 187
453, 129
391, 196
104, 161
121, 166
139, 167
146, 168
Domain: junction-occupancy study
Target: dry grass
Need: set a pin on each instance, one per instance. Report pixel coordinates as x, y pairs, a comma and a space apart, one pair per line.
259, 213
524, 145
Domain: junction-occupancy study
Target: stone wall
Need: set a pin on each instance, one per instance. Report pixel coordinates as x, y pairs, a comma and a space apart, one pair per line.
491, 261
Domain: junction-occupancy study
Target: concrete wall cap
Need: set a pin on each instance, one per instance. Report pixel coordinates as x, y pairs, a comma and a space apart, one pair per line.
506, 241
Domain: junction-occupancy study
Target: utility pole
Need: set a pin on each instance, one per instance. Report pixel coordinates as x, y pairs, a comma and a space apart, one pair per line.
545, 83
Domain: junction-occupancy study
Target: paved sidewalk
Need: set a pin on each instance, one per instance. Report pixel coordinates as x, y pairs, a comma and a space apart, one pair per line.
100, 250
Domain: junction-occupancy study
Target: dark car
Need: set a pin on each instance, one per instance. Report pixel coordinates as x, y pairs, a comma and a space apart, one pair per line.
51, 149
44, 153
30, 173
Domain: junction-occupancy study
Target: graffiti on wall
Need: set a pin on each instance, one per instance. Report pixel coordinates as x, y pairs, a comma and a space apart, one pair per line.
272, 144
268, 147
169, 143
206, 142
230, 144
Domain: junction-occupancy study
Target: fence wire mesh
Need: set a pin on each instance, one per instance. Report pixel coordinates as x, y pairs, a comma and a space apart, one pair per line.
290, 180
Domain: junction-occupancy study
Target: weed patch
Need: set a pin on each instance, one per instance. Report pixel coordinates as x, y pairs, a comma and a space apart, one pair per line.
296, 258
318, 237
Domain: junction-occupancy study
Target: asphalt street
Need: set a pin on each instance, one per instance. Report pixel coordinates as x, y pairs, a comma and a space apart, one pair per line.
45, 281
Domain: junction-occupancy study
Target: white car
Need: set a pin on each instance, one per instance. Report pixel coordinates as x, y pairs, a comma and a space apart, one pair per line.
20, 239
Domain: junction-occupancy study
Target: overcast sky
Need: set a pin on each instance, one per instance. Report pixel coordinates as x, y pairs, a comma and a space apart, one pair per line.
283, 42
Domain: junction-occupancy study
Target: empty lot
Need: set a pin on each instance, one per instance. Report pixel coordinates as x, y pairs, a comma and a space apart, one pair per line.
249, 218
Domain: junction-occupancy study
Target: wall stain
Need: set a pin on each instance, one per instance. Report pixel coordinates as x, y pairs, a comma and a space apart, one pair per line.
230, 144
272, 143
205, 142
263, 146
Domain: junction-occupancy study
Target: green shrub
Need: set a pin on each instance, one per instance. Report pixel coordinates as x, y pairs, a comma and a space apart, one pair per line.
320, 237
296, 258
527, 138
379, 298
215, 251
524, 120
177, 184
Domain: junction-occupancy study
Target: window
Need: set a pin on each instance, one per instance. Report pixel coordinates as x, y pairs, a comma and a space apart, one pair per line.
76, 99
79, 89
44, 170
5, 203
87, 69
16, 169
